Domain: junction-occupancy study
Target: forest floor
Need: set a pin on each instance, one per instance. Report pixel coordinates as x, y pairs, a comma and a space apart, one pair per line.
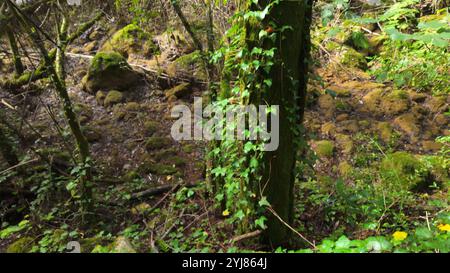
351, 118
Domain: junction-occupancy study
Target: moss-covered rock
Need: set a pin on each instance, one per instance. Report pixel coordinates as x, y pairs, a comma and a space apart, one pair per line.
352, 58
324, 148
132, 107
113, 97
189, 64
328, 129
403, 171
176, 39
442, 120
22, 245
327, 105
438, 104
131, 40
109, 71
100, 97
154, 143
350, 126
119, 112
409, 124
55, 154
416, 96
380, 103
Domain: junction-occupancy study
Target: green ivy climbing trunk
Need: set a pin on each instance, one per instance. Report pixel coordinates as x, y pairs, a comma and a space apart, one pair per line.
289, 78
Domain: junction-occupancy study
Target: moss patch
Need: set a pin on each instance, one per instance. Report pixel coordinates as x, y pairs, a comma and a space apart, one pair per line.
345, 142
100, 97
345, 169
381, 103
402, 171
324, 148
327, 105
22, 245
113, 97
409, 124
352, 58
385, 131
154, 143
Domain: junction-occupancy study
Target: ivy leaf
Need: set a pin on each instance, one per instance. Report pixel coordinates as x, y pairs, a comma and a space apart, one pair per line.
260, 222
268, 82
240, 215
263, 202
262, 34
249, 146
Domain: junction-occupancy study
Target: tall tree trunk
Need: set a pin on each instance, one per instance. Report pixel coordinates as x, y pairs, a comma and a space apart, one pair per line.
288, 91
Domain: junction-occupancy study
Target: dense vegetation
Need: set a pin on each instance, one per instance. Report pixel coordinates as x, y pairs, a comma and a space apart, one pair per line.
86, 153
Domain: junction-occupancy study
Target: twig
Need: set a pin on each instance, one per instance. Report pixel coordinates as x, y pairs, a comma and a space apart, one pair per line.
18, 165
291, 228
245, 236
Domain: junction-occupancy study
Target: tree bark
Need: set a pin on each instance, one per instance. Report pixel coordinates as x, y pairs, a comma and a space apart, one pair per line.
289, 78
18, 66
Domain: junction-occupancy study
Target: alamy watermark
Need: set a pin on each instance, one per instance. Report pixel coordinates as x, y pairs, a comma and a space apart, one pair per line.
227, 122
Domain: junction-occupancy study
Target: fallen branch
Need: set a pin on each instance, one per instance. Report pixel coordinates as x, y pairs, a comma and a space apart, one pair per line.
159, 190
152, 191
18, 165
246, 236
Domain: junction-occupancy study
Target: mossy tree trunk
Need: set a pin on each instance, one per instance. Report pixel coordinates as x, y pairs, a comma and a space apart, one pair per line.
57, 76
18, 66
289, 78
